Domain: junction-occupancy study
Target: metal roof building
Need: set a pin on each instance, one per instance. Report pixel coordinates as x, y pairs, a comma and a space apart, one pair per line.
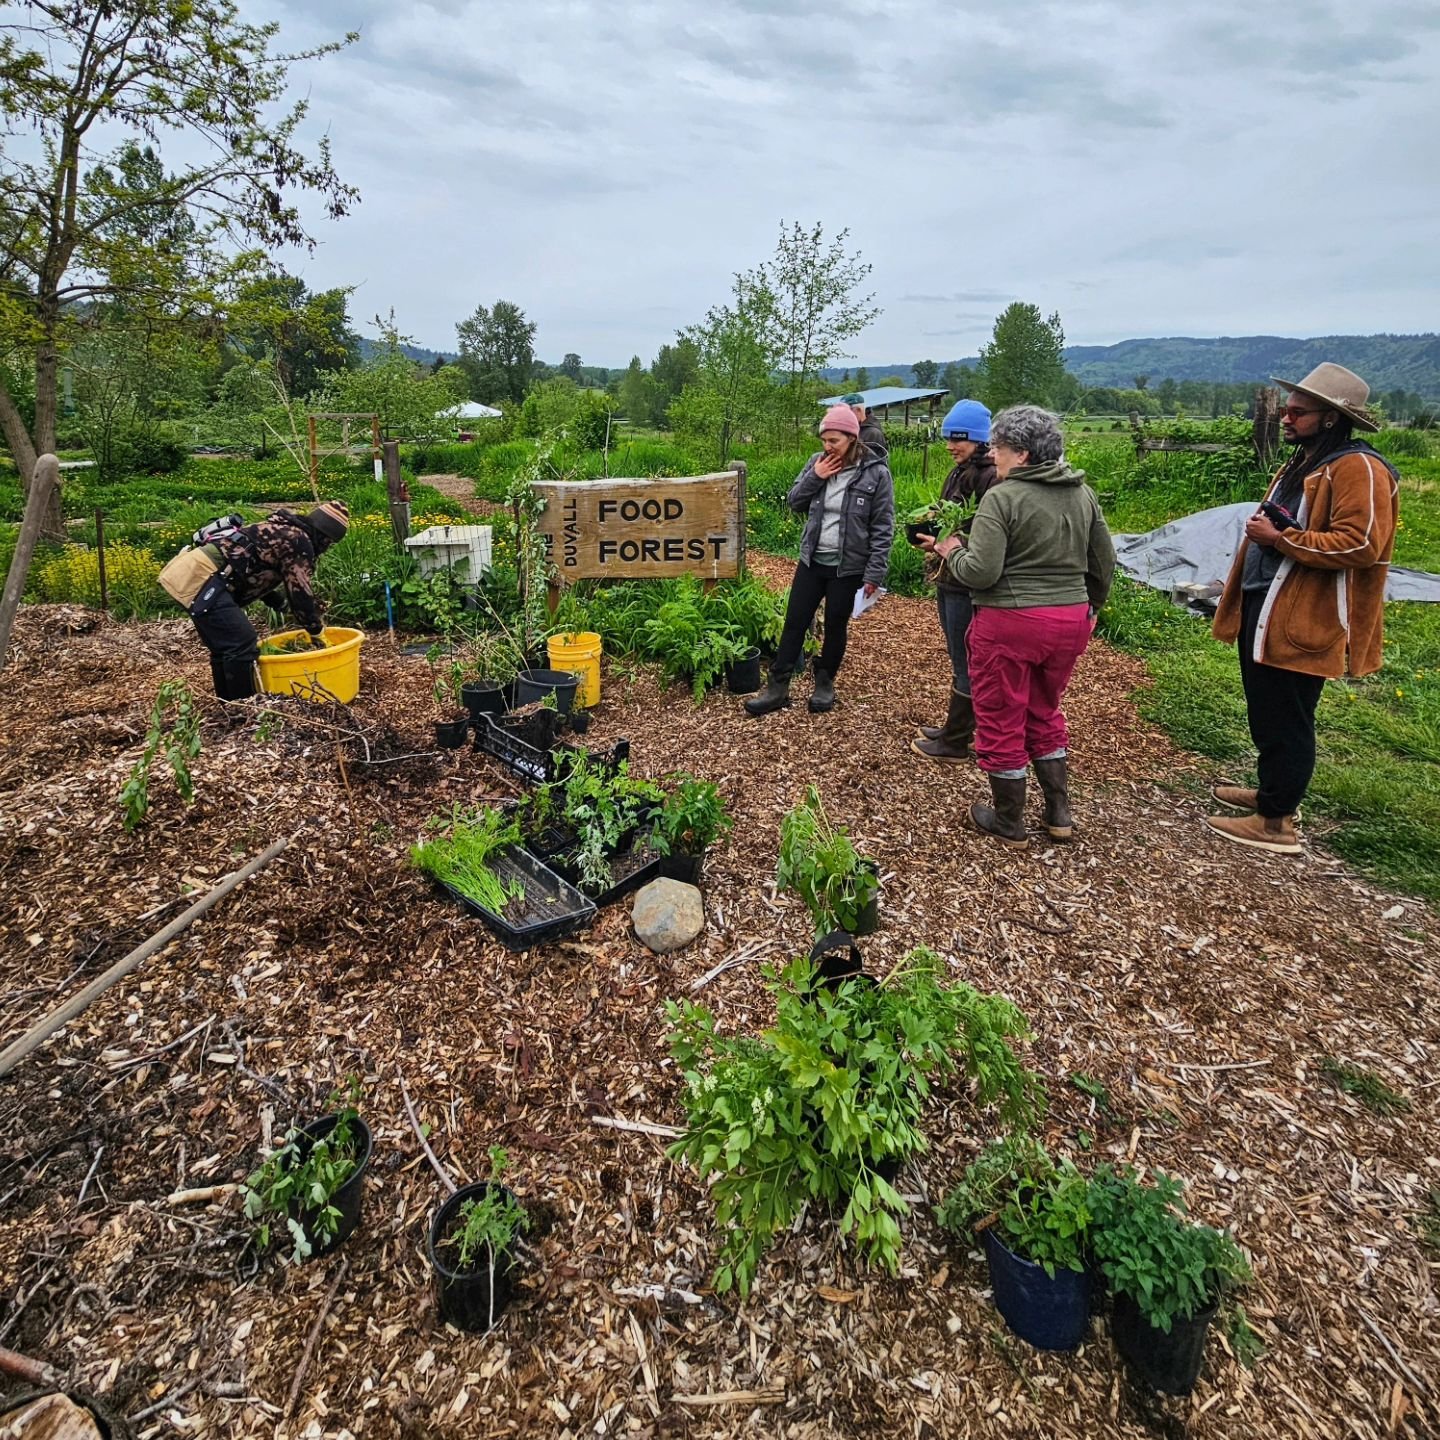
887, 397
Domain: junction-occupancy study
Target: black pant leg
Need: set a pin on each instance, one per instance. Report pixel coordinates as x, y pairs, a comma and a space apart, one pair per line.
807, 589
839, 602
1280, 706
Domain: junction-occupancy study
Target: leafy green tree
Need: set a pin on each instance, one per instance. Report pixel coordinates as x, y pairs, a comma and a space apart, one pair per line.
83, 225
675, 367
959, 380
571, 368
637, 394
406, 397
1024, 361
1165, 393
924, 372
816, 310
307, 333
497, 349
862, 379
1142, 382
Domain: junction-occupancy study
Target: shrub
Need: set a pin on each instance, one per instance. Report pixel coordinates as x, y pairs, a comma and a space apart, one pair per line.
131, 574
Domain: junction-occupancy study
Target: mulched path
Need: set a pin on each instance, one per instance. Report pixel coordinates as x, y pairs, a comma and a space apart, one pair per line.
1199, 985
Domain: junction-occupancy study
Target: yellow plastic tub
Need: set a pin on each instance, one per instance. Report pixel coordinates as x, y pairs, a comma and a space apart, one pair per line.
580, 654
329, 674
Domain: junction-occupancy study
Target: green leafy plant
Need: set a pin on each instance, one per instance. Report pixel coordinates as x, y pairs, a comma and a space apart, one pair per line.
493, 655
487, 1227
1168, 1265
462, 859
298, 1182
1038, 1209
1366, 1086
820, 864
692, 818
948, 516
179, 739
604, 804
689, 643
817, 1108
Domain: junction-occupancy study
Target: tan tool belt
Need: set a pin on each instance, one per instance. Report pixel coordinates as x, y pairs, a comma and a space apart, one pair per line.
183, 578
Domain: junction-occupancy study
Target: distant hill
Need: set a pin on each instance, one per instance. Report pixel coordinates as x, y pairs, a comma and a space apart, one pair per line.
417, 353
1388, 362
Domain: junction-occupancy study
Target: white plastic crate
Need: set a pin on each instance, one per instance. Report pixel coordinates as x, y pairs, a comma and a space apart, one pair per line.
464, 548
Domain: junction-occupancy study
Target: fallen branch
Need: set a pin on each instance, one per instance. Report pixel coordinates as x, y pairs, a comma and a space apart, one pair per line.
1379, 1334
636, 1127
89, 1176
768, 1395
420, 1136
33, 1372
201, 1195
37, 1035
308, 1353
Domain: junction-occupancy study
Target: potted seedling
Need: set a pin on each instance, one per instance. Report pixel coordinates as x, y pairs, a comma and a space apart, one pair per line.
691, 819
1032, 1215
607, 807
312, 1186
1168, 1277
452, 719
472, 1244
494, 663
820, 864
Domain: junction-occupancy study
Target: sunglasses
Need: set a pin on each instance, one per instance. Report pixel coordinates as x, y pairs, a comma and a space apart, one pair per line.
1294, 412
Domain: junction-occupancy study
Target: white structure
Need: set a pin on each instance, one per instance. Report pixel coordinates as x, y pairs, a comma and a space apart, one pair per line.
470, 410
462, 548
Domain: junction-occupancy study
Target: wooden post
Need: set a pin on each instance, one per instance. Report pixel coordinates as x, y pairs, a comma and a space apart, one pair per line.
399, 492
314, 458
100, 558
742, 482
46, 477
925, 461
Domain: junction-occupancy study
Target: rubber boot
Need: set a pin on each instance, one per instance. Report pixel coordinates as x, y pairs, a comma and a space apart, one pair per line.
954, 742
1054, 778
822, 699
217, 675
1005, 819
775, 696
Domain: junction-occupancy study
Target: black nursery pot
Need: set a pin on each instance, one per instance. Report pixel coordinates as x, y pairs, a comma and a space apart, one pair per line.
926, 527
867, 922
742, 677
1170, 1363
681, 865
579, 721
483, 697
450, 734
1049, 1314
348, 1197
537, 684
475, 1299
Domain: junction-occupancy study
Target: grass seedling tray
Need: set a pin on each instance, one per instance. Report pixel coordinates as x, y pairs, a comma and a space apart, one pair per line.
551, 907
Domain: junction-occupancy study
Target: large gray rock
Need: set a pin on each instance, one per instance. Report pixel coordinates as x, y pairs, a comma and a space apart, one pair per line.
667, 914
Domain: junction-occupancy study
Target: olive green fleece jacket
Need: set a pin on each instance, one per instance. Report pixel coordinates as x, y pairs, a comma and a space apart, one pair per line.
1038, 539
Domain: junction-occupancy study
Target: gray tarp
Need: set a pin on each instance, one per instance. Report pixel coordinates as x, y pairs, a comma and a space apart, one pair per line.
1197, 551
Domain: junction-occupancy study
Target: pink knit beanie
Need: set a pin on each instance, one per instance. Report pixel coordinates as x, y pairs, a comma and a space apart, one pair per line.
842, 418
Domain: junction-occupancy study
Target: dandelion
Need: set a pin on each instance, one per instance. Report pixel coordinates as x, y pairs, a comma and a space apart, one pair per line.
1399, 693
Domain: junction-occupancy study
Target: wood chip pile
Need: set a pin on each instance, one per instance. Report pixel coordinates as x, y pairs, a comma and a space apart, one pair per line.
1200, 985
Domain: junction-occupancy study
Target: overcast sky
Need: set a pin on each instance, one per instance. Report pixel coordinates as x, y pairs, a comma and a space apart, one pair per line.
1234, 169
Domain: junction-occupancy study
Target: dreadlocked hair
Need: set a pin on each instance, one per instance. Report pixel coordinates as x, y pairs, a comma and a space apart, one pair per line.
1331, 438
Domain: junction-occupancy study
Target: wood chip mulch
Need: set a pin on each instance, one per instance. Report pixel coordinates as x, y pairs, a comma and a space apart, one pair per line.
1198, 983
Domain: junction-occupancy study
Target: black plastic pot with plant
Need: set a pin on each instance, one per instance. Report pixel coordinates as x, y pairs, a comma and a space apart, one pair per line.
742, 676
483, 697
690, 820
473, 1245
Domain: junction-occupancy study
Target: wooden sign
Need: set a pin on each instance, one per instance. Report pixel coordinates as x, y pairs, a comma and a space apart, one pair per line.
645, 529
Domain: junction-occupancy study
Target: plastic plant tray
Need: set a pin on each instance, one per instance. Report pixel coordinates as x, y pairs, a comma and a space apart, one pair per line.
629, 869
527, 761
552, 907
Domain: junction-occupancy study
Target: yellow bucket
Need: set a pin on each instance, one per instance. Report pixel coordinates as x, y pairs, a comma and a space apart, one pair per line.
579, 653
329, 674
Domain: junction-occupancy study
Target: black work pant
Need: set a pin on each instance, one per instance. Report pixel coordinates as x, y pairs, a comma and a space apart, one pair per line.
811, 585
1280, 705
231, 639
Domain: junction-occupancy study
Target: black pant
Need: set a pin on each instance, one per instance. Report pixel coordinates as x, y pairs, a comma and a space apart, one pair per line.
811, 585
231, 639
1280, 705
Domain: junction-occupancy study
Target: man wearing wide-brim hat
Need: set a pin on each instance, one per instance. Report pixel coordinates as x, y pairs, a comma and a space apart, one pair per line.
1305, 598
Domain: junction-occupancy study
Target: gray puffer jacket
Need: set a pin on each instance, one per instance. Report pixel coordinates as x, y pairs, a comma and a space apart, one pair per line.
867, 517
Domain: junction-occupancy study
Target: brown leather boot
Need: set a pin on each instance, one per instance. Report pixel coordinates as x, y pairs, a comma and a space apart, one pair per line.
1005, 819
1054, 778
955, 738
1262, 832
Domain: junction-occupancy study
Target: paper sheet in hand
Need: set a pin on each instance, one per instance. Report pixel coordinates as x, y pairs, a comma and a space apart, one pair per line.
863, 602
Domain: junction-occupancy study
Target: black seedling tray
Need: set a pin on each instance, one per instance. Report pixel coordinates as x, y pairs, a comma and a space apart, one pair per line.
629, 868
552, 907
528, 761
553, 838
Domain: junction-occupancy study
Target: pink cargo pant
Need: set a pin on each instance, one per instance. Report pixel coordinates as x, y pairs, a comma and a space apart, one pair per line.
1020, 664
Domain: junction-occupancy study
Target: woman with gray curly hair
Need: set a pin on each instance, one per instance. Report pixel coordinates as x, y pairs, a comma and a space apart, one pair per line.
1038, 563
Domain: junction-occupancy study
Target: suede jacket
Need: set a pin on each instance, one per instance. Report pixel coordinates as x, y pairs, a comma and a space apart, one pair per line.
1324, 611
867, 518
974, 477
1038, 539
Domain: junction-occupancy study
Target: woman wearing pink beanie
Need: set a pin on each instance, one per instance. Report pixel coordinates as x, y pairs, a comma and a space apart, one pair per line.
848, 500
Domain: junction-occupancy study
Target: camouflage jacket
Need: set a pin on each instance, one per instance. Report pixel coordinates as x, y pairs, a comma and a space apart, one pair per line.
280, 551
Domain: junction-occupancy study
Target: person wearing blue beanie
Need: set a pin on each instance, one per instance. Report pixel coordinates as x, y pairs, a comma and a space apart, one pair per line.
966, 432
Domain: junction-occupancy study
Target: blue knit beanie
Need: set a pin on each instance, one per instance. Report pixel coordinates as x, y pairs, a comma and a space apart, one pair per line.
967, 420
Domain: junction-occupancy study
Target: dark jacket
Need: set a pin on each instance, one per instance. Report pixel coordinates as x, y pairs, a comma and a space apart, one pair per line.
872, 433
974, 477
1038, 539
867, 516
281, 551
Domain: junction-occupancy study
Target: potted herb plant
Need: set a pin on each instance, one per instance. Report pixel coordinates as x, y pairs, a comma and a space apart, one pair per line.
820, 864
314, 1183
1168, 1277
472, 1245
494, 663
607, 807
1033, 1216
820, 1107
691, 819
452, 719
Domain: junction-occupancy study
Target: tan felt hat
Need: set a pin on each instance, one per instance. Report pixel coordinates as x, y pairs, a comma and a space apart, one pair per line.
1339, 388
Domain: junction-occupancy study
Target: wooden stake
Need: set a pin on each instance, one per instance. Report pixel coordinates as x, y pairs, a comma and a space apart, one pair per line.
100, 558
47, 476
33, 1038
33, 1372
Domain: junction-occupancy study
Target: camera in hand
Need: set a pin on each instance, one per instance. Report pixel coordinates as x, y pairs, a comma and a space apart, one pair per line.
1278, 516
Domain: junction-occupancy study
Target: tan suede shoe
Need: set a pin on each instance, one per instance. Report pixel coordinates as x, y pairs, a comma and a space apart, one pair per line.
1277, 834
1237, 797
